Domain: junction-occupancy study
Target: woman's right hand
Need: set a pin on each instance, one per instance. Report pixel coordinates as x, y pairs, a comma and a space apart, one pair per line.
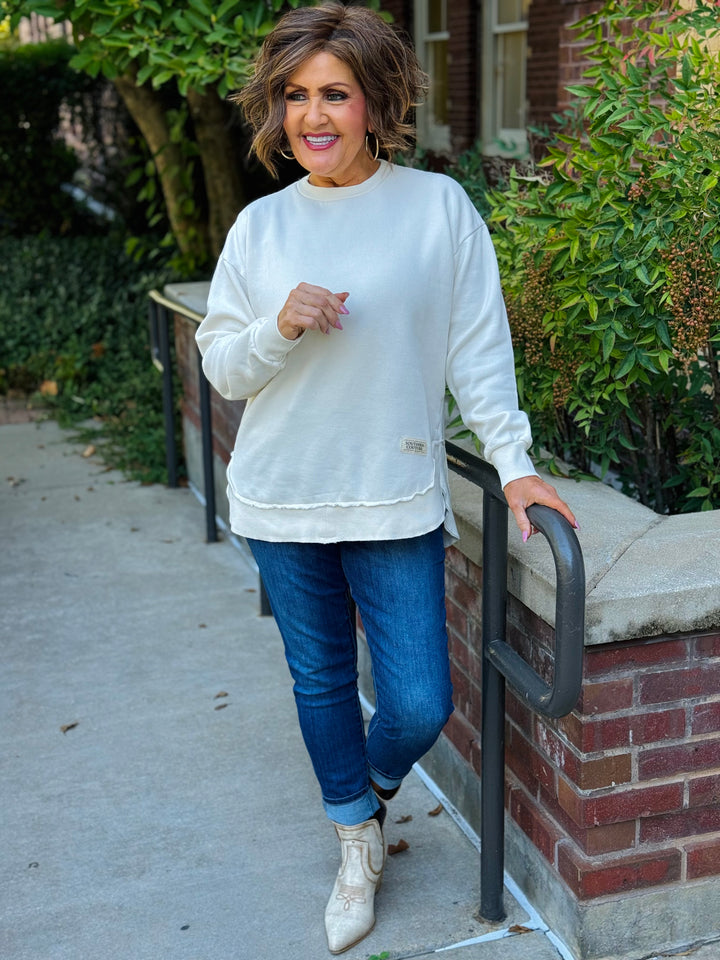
311, 308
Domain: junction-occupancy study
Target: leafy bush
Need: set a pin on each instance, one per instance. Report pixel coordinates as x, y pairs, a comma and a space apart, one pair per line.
73, 315
610, 257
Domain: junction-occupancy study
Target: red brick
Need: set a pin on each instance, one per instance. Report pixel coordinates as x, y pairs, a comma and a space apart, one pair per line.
590, 736
703, 859
557, 752
466, 597
703, 791
684, 824
474, 575
626, 804
456, 640
541, 830
610, 838
460, 734
605, 771
658, 725
705, 718
588, 878
708, 646
519, 713
456, 562
678, 685
528, 765
684, 757
606, 697
632, 656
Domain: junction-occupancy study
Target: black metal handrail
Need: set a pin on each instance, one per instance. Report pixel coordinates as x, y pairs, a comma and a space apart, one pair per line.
501, 663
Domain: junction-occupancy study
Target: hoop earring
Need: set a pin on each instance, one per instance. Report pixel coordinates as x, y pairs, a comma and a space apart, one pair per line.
283, 154
377, 147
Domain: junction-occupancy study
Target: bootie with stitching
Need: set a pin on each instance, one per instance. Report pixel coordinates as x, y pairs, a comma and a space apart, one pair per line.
350, 913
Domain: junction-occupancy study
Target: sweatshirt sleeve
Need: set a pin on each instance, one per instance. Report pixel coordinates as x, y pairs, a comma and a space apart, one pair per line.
241, 352
480, 364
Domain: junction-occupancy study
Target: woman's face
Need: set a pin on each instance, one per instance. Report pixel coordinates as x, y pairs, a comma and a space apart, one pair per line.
326, 121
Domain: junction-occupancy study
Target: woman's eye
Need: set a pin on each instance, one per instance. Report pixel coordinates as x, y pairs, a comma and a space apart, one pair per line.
335, 96
294, 97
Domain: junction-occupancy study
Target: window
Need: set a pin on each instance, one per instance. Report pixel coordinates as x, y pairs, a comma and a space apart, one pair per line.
504, 61
431, 43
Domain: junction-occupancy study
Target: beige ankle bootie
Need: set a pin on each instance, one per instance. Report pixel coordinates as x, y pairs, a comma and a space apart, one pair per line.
350, 913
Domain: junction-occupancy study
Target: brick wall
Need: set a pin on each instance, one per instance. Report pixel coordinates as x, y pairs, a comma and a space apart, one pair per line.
623, 793
571, 61
463, 87
225, 414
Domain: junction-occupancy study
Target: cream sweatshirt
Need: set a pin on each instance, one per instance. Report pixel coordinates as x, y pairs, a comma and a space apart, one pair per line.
342, 437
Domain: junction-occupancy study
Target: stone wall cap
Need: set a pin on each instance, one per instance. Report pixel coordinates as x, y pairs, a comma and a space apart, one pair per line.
192, 296
646, 574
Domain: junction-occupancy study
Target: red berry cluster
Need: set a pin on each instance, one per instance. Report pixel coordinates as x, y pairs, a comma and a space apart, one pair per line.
694, 295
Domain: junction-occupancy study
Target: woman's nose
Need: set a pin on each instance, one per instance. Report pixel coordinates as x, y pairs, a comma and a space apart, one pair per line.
315, 113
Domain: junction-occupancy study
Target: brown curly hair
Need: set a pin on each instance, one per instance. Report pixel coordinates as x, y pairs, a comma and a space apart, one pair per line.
383, 63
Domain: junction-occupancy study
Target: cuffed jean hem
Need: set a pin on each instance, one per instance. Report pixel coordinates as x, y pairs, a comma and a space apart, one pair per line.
381, 780
354, 811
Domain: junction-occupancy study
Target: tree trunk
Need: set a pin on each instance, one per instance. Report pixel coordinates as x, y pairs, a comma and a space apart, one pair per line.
220, 163
148, 113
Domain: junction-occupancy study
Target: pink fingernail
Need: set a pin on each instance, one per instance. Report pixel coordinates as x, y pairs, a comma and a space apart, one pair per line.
577, 525
525, 536
344, 310
338, 325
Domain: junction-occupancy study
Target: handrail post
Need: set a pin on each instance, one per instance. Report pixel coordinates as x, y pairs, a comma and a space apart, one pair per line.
160, 348
207, 452
494, 601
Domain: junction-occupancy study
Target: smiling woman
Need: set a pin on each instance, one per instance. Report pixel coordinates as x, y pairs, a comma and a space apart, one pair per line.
338, 479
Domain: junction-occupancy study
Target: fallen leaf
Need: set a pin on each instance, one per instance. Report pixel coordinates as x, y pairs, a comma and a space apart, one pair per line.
406, 819
202, 626
519, 928
221, 706
223, 693
69, 726
49, 388
89, 450
436, 812
15, 481
398, 847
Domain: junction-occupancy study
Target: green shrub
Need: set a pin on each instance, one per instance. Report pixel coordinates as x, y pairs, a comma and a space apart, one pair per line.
610, 257
74, 313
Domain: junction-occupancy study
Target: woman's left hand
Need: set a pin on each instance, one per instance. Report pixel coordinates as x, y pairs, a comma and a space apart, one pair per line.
522, 493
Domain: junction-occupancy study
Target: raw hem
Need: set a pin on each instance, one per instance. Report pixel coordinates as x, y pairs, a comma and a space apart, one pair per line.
334, 524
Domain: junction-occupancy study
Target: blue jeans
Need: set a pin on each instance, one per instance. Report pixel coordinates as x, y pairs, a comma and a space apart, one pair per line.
398, 586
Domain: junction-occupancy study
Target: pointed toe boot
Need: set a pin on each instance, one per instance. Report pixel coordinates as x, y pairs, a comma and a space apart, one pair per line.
350, 913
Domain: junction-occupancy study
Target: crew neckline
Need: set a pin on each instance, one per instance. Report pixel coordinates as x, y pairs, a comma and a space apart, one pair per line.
328, 194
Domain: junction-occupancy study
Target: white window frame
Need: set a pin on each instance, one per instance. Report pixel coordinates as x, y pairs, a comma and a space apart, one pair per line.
498, 140
431, 134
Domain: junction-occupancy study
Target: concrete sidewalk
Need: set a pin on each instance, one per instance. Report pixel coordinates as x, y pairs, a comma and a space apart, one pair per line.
157, 802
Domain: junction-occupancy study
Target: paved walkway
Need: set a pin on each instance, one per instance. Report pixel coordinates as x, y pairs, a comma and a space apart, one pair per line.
157, 803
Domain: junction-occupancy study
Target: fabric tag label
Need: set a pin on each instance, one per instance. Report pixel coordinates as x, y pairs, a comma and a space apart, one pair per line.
408, 445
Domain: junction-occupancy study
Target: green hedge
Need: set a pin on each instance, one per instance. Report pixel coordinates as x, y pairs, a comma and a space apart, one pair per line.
73, 312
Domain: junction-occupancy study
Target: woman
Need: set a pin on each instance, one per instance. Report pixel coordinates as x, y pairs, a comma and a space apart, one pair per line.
340, 307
